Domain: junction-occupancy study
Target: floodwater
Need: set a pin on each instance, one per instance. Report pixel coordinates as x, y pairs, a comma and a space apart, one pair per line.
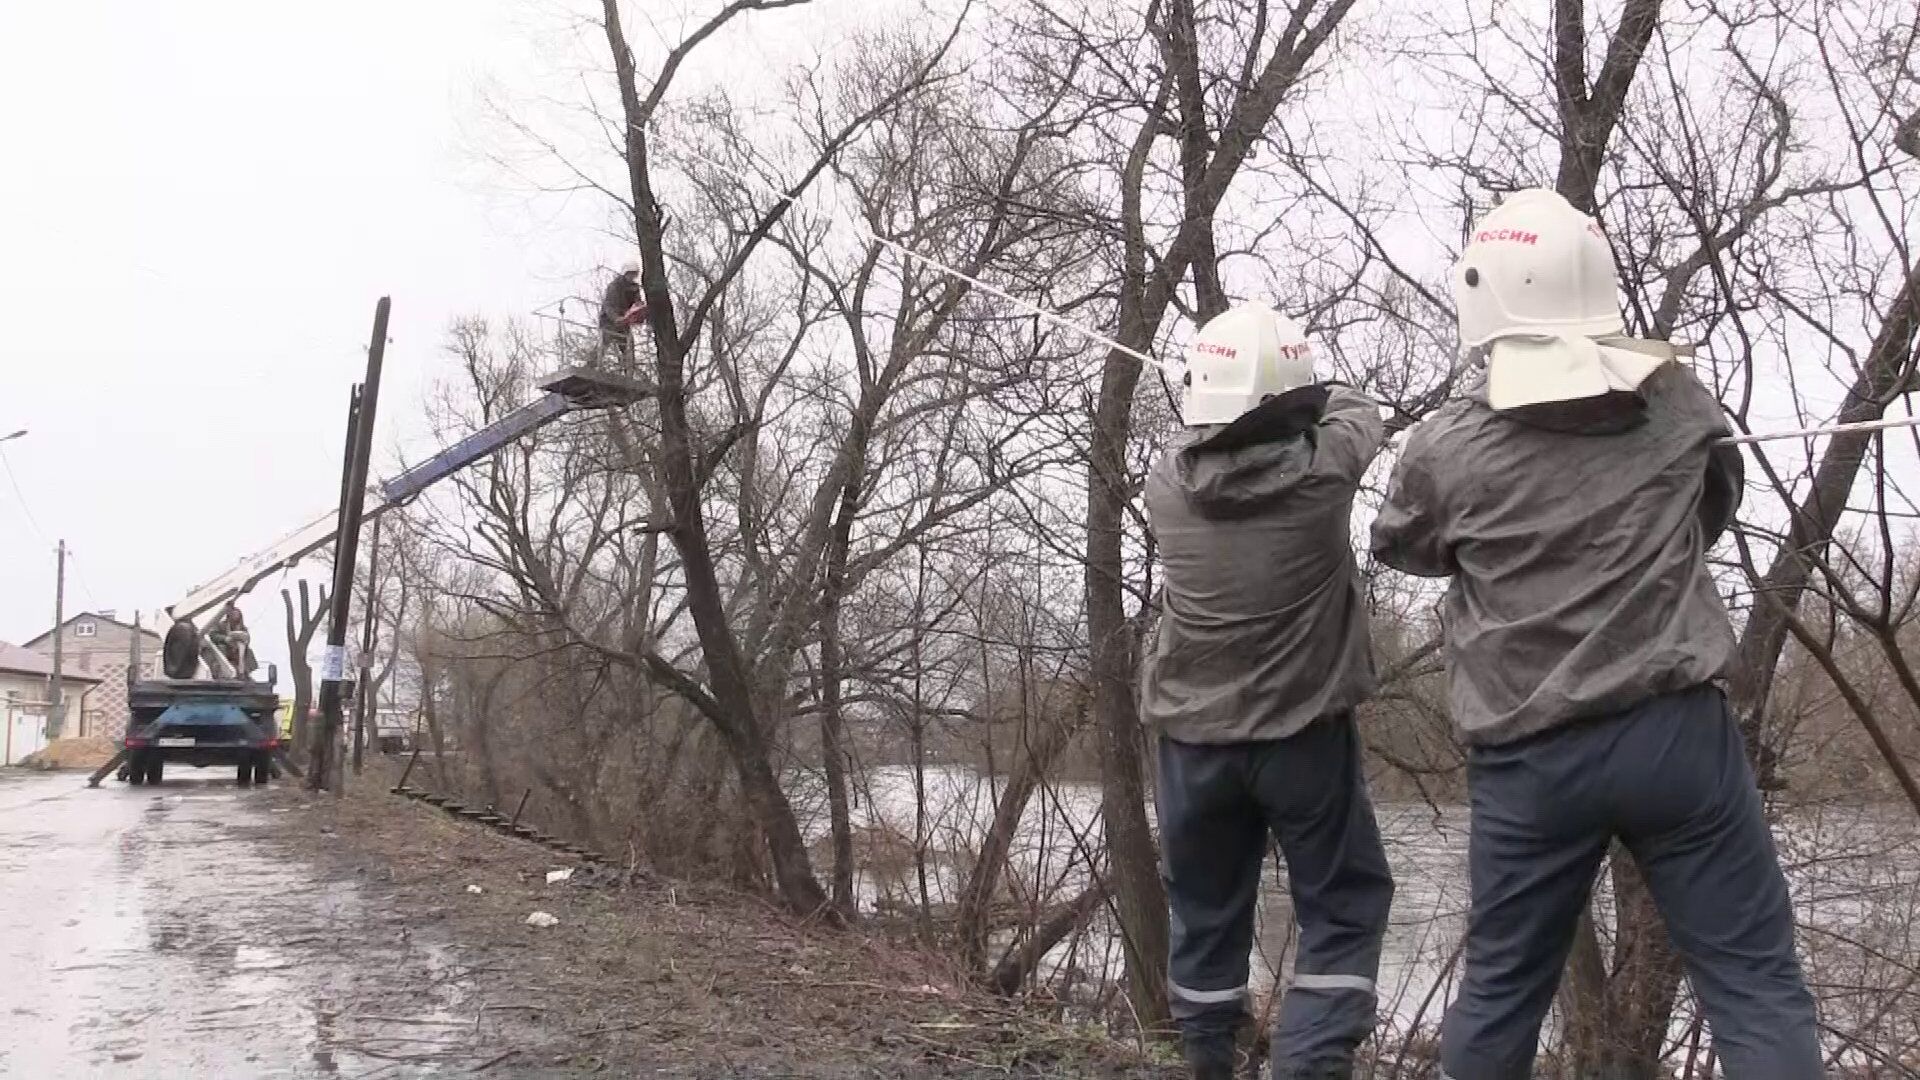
1427, 849
1854, 874
150, 933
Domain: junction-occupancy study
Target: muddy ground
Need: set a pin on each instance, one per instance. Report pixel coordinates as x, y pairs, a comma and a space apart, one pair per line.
204, 930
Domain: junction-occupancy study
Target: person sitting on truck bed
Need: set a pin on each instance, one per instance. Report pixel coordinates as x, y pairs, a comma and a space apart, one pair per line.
229, 634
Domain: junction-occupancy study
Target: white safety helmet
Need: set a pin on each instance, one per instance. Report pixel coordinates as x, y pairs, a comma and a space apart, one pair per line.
1535, 266
1241, 358
1535, 290
631, 266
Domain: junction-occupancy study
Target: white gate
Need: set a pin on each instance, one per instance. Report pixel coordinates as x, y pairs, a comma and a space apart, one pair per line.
26, 731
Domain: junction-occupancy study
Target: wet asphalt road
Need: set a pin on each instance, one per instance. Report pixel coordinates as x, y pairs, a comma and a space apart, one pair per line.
151, 933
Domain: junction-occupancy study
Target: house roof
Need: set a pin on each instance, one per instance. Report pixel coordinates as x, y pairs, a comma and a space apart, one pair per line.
18, 661
94, 616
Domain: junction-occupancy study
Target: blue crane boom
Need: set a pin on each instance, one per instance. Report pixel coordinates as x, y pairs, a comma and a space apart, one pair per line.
572, 390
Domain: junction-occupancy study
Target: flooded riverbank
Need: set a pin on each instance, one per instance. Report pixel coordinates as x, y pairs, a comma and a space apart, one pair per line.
1854, 872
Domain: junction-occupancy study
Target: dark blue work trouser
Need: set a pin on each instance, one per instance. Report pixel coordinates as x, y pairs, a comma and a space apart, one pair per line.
1217, 806
1669, 779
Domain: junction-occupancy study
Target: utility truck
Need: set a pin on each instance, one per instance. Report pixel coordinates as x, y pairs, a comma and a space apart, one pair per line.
209, 710
225, 718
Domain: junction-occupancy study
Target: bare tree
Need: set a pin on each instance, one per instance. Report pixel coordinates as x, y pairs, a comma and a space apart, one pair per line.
1719, 213
301, 629
1214, 95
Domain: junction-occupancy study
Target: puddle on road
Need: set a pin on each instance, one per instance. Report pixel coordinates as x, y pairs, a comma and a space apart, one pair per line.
174, 946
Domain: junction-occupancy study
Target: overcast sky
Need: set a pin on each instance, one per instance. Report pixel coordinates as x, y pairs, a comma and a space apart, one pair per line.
202, 202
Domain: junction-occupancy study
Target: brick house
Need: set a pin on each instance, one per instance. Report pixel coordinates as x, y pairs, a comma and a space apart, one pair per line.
95, 645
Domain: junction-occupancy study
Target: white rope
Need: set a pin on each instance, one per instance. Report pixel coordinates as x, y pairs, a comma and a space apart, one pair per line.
1064, 323
1830, 429
1035, 310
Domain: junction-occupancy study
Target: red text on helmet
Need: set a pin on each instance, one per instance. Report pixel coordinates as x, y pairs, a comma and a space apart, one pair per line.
1296, 352
1208, 348
1512, 236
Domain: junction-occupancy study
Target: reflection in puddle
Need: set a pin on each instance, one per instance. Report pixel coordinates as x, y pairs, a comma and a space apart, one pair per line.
323, 1039
258, 958
173, 945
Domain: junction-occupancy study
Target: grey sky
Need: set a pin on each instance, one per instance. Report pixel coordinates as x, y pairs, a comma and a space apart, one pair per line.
202, 203
204, 200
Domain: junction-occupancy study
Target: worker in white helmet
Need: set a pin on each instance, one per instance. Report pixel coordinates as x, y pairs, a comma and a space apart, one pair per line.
1261, 656
1571, 496
621, 309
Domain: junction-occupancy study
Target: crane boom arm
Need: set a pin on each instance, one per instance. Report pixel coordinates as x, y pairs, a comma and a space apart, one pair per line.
571, 391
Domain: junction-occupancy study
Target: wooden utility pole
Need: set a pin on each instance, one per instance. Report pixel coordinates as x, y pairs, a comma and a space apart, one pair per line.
333, 665
363, 689
56, 694
133, 652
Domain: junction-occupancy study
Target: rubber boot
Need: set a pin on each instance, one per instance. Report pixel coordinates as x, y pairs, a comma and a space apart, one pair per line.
1209, 1057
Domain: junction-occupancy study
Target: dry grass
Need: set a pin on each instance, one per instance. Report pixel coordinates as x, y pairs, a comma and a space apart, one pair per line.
655, 974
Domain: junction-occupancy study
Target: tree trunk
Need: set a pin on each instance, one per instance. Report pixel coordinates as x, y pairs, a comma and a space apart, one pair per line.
1146, 292
430, 712
1591, 111
972, 921
1139, 895
1607, 1034
1888, 372
302, 701
1062, 919
1617, 1023
833, 675
792, 870
918, 720
301, 629
833, 756
1645, 980
731, 705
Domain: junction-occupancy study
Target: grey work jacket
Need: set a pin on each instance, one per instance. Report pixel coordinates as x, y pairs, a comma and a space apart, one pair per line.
1263, 624
1577, 552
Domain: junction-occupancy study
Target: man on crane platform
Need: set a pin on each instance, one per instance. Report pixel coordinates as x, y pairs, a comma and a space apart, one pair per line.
1262, 656
621, 309
1572, 498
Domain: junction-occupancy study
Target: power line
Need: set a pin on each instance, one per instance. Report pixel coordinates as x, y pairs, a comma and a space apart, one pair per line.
74, 567
21, 497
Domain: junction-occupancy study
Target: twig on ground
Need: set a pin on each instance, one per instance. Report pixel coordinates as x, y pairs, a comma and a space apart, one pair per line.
368, 1051
494, 1060
938, 1049
606, 1030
